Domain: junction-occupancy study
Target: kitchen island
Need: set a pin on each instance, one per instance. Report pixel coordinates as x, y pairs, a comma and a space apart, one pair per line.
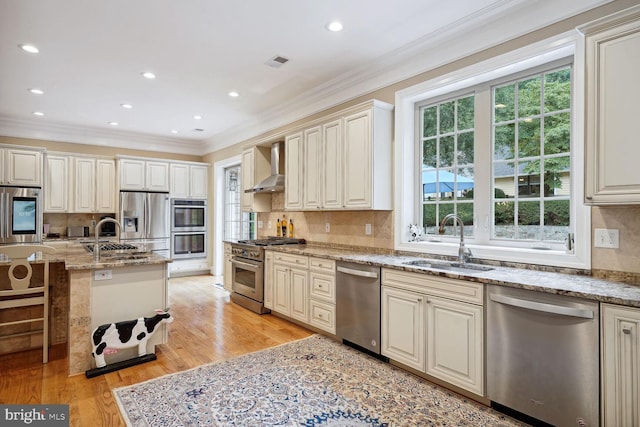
114, 288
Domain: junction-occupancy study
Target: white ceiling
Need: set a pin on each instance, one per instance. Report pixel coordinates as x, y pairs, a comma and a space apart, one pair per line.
92, 54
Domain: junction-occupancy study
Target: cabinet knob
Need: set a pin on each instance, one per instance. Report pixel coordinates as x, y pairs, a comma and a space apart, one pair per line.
588, 197
320, 315
627, 330
319, 286
419, 299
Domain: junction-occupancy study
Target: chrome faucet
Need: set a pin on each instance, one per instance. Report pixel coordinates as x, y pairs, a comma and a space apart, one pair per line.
96, 245
464, 253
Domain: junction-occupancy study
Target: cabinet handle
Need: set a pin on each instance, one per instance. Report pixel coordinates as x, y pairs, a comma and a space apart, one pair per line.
320, 316
319, 286
419, 299
627, 330
588, 197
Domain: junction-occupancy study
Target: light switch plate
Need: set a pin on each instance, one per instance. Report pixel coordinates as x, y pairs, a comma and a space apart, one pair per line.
102, 275
606, 238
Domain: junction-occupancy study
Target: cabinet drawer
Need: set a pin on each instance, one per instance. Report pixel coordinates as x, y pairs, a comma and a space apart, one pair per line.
324, 265
323, 315
323, 286
291, 260
458, 290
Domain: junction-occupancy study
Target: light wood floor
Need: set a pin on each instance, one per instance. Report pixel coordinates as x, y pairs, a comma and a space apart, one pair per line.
207, 328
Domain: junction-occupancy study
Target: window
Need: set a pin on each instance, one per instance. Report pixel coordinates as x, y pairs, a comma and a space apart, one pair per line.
237, 224
499, 144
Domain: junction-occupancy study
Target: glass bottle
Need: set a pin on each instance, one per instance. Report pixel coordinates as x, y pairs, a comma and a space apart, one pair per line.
290, 228
278, 228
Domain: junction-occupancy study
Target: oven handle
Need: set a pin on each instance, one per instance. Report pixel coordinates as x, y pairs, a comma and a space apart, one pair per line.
246, 265
543, 307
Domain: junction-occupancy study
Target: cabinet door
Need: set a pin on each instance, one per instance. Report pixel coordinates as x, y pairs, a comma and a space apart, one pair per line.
455, 343
620, 365
312, 162
247, 180
24, 167
281, 290
106, 192
85, 184
157, 176
332, 165
299, 294
198, 181
132, 174
293, 175
357, 160
268, 280
613, 176
179, 180
56, 184
403, 334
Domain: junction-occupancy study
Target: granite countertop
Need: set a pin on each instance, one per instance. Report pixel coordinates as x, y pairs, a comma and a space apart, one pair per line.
75, 257
577, 285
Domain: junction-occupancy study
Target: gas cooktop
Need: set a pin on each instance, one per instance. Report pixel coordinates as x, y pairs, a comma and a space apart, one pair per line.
271, 241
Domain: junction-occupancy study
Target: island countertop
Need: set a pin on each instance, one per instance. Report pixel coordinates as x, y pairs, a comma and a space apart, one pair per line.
576, 283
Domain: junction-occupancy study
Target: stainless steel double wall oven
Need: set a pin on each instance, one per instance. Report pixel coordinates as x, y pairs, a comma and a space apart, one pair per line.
188, 228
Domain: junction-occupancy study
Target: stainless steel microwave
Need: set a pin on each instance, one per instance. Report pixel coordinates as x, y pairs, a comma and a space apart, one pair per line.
188, 215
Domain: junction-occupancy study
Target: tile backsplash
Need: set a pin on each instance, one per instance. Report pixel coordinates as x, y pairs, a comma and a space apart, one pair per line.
58, 222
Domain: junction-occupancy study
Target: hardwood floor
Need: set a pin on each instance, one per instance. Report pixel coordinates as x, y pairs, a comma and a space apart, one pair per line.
207, 328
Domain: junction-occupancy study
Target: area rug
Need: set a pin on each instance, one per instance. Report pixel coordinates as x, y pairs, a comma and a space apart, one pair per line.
315, 381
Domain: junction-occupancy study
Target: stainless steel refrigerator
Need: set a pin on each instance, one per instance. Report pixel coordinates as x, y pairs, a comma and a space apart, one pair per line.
145, 219
20, 215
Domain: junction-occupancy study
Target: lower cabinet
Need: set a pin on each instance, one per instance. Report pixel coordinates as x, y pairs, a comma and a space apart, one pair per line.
291, 286
228, 267
620, 365
436, 326
322, 294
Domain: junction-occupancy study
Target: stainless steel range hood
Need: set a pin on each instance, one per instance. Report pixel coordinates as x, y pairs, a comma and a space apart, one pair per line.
274, 183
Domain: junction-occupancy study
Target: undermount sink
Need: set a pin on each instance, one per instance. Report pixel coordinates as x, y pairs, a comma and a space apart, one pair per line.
449, 266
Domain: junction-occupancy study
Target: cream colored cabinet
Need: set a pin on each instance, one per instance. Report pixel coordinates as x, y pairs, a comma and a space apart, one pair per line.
294, 172
188, 181
21, 167
256, 166
322, 294
331, 169
94, 185
620, 365
312, 176
435, 325
612, 89
290, 286
143, 175
268, 280
56, 183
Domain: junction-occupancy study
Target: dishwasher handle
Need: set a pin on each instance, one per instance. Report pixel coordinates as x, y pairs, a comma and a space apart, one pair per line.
543, 307
358, 273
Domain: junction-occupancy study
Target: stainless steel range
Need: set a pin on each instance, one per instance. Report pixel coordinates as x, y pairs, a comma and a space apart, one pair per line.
248, 271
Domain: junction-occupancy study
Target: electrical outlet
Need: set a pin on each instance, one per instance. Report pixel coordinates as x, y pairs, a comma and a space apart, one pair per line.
260, 224
269, 225
93, 223
102, 275
327, 227
606, 238
367, 229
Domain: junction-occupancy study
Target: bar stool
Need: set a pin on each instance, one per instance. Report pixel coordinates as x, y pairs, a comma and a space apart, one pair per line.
23, 293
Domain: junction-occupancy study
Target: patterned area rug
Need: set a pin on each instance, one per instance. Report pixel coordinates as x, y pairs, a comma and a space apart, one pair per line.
312, 382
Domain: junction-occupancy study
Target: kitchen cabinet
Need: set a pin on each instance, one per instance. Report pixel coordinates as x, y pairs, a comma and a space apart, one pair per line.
94, 185
612, 88
256, 166
143, 175
294, 172
21, 167
330, 163
290, 286
268, 279
620, 329
56, 183
322, 294
435, 325
188, 181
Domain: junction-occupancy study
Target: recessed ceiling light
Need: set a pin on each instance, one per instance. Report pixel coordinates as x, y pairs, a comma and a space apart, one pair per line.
199, 130
334, 26
38, 113
174, 131
29, 48
127, 106
36, 91
197, 117
148, 75
234, 94
113, 123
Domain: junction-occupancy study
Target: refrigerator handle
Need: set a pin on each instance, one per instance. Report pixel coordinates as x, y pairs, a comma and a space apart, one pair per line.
3, 220
147, 213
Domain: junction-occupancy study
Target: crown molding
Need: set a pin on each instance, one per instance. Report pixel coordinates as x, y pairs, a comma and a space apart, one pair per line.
94, 136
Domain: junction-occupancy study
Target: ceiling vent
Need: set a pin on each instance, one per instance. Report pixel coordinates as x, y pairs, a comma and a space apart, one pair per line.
277, 61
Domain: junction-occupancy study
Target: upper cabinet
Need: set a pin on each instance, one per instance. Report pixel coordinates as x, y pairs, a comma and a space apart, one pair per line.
612, 89
21, 166
143, 175
189, 180
56, 183
330, 163
256, 166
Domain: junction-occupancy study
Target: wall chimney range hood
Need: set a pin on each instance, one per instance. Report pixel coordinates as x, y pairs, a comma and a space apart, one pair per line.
274, 183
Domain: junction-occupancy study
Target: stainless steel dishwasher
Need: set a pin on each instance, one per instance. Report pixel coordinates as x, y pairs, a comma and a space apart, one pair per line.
358, 305
543, 355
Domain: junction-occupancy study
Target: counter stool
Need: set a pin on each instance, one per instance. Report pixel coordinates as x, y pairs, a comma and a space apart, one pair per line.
23, 293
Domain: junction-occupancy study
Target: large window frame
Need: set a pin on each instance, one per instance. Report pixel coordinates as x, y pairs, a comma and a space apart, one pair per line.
406, 204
